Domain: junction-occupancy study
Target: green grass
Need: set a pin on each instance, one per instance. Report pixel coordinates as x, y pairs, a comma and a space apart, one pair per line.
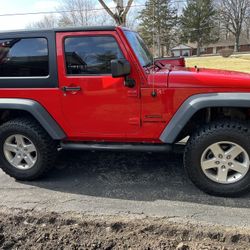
236, 62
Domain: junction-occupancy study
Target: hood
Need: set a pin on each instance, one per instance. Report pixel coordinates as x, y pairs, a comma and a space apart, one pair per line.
195, 77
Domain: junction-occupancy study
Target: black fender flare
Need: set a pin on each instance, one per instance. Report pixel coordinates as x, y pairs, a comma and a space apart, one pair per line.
197, 102
37, 111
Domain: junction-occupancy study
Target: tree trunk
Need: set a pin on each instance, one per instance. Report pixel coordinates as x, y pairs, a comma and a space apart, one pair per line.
237, 43
198, 48
159, 46
120, 20
120, 17
162, 50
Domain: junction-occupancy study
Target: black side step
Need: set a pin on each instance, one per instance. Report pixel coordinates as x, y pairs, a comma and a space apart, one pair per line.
140, 147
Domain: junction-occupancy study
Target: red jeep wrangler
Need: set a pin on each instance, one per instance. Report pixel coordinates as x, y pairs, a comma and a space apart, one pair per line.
98, 88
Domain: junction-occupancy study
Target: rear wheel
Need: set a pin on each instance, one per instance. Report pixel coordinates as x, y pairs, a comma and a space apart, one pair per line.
20, 151
27, 151
217, 158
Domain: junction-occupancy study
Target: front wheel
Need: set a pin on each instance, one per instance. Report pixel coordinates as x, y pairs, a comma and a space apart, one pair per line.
217, 158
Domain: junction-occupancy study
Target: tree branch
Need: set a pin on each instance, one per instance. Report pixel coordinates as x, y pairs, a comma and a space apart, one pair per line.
107, 9
127, 8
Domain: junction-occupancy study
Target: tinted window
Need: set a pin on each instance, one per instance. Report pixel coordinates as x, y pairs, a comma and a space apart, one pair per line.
24, 57
91, 55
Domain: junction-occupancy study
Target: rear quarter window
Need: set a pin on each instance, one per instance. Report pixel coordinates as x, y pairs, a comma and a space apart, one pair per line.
24, 57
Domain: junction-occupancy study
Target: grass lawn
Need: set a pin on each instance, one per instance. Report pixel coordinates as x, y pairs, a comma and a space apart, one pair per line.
235, 62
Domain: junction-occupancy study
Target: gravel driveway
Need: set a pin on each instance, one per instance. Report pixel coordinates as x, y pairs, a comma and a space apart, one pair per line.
136, 184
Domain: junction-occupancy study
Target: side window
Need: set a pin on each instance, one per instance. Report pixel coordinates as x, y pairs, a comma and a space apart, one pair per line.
24, 57
87, 55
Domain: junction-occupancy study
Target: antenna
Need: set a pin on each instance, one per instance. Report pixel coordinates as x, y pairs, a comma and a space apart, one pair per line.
154, 93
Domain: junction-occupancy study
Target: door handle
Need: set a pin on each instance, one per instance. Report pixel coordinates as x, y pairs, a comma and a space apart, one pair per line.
71, 89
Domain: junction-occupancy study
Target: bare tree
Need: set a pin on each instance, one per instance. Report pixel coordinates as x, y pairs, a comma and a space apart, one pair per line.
233, 13
73, 13
48, 21
77, 13
70, 13
120, 15
247, 27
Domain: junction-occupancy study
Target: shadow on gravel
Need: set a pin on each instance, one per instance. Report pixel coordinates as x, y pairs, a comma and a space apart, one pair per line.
129, 176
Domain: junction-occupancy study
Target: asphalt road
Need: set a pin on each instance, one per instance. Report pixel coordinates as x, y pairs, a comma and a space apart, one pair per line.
130, 184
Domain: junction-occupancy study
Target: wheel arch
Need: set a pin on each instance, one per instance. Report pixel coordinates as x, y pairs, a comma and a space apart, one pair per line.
195, 104
37, 111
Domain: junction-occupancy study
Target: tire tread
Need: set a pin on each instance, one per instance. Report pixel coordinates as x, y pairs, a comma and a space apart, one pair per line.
202, 134
47, 145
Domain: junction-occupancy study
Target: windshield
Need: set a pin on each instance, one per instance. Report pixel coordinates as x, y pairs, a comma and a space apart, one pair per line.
140, 48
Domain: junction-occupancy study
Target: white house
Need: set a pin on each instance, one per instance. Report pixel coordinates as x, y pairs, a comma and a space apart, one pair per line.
182, 50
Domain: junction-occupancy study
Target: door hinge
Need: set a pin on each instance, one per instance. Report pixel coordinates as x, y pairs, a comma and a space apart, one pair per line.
135, 121
133, 93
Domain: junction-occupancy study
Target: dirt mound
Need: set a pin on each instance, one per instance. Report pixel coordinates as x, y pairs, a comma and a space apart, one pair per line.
34, 230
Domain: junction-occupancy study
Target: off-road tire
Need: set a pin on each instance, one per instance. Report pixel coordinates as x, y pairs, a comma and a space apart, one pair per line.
45, 146
236, 132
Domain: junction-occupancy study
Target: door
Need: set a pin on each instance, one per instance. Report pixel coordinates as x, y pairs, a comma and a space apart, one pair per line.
95, 105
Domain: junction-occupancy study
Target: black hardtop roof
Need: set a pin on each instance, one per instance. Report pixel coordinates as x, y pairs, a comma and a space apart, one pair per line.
53, 30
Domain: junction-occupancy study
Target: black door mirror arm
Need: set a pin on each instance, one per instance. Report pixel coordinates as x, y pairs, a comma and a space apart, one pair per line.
129, 82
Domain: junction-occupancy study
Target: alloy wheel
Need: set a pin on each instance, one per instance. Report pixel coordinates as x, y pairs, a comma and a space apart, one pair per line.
225, 162
20, 151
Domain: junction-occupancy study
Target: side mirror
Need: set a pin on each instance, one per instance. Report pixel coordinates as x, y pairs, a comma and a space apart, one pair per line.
120, 67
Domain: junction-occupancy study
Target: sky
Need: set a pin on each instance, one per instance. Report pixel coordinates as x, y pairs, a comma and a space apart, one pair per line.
23, 6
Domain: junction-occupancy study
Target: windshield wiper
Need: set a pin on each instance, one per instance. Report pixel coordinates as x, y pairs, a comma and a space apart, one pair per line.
147, 65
